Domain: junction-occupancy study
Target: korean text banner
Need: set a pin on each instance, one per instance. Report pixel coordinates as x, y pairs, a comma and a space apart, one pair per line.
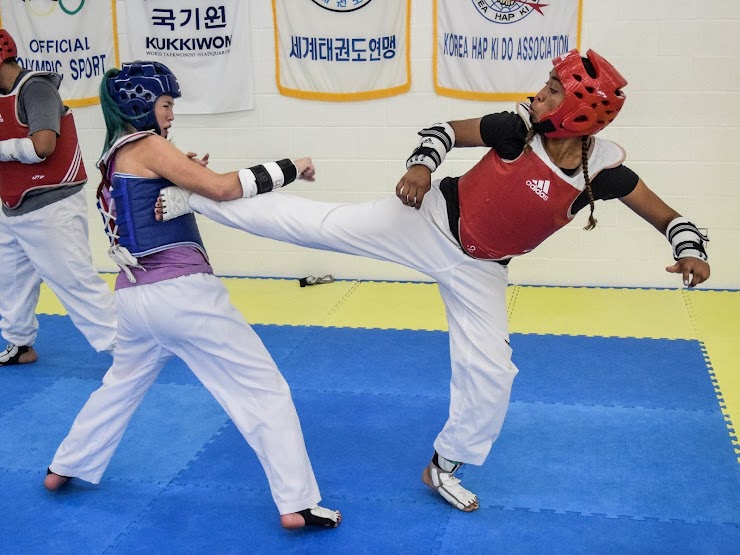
500, 49
75, 38
342, 50
206, 45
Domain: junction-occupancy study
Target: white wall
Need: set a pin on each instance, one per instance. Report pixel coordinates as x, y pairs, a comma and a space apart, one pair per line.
680, 127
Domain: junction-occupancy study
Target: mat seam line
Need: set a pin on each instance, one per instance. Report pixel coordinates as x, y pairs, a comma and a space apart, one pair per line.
512, 304
734, 440
340, 302
615, 516
150, 505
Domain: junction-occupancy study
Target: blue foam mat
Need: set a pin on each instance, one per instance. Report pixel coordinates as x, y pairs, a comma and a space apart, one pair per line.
249, 524
77, 519
651, 373
19, 387
526, 532
371, 361
616, 461
655, 373
575, 440
584, 370
63, 352
380, 455
157, 445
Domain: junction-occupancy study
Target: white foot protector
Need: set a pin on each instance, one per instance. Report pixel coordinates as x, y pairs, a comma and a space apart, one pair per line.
321, 516
449, 487
174, 203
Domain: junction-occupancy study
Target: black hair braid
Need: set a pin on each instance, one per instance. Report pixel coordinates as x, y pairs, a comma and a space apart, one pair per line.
528, 139
584, 163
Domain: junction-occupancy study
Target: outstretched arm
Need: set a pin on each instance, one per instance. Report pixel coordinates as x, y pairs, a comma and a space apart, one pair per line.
436, 141
649, 206
158, 157
173, 201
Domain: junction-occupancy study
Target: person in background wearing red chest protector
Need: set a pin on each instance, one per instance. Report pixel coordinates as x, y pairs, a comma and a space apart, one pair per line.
543, 166
43, 223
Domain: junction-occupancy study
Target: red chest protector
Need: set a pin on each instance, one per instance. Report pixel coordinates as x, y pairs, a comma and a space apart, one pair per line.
508, 207
63, 167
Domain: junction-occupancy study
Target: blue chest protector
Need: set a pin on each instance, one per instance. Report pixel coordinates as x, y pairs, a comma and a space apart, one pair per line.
138, 230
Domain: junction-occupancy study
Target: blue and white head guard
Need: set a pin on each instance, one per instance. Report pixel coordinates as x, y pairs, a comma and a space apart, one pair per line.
136, 88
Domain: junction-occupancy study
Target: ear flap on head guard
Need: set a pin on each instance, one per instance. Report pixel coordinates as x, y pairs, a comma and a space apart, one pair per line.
593, 96
136, 88
8, 48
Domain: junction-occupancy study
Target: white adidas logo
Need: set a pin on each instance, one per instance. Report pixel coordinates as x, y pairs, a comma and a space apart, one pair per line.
540, 186
1, 119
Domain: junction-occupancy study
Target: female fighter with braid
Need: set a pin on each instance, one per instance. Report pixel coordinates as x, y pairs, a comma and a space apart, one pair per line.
171, 305
543, 166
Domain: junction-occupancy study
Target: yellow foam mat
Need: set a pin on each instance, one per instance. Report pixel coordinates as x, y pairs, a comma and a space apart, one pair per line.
49, 303
387, 305
285, 302
392, 305
717, 313
601, 312
723, 356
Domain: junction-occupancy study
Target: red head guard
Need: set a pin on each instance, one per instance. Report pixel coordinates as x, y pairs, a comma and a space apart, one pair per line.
7, 46
591, 102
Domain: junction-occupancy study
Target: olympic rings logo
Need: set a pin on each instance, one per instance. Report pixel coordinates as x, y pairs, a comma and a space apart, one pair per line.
63, 5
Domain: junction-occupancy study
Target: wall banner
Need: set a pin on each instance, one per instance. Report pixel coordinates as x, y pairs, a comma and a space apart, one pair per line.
500, 50
206, 45
342, 50
75, 38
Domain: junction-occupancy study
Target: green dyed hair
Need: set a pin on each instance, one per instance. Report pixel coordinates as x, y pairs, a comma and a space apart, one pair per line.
116, 124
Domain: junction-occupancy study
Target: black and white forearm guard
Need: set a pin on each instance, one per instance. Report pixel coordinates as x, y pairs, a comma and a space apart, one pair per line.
436, 141
266, 177
686, 239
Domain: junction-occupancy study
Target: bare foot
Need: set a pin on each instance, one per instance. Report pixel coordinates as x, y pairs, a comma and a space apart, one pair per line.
29, 356
292, 521
427, 478
53, 482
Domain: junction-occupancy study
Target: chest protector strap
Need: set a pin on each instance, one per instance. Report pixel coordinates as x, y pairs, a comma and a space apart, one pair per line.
127, 205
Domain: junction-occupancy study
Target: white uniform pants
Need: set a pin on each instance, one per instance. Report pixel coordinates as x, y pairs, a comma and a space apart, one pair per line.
192, 318
51, 244
473, 291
